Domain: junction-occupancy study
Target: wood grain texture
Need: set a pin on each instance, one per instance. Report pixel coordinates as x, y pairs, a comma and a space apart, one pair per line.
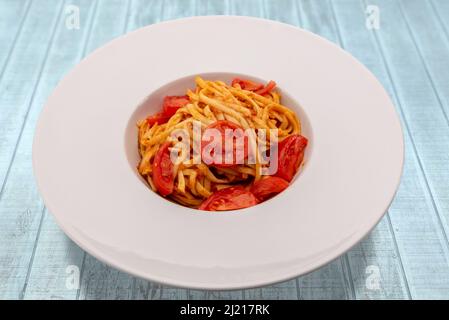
13, 15
409, 55
430, 47
412, 200
20, 206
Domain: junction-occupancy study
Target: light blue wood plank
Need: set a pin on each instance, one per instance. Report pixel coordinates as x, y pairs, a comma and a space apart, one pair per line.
211, 7
414, 215
286, 11
54, 251
20, 207
144, 12
12, 15
327, 283
316, 16
441, 12
432, 45
101, 282
251, 8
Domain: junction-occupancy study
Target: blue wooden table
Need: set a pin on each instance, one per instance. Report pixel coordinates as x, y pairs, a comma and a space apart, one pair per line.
404, 43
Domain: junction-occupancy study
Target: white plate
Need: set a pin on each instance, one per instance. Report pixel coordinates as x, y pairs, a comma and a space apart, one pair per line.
84, 155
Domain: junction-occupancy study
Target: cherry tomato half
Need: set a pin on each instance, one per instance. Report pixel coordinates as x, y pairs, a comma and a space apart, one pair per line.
267, 89
159, 118
163, 176
222, 126
231, 198
291, 154
247, 84
171, 104
268, 187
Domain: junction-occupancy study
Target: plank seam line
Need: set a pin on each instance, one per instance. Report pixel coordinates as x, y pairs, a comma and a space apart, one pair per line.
423, 62
347, 277
399, 103
195, 8
298, 10
263, 10
89, 29
127, 16
83, 262
16, 37
440, 20
161, 14
228, 7
30, 265
396, 248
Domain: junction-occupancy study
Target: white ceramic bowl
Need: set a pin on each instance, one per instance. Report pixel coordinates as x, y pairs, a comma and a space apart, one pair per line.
85, 153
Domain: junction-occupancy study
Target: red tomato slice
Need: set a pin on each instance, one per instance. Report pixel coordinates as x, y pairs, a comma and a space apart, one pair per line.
247, 84
231, 198
268, 187
159, 118
171, 104
291, 154
221, 126
163, 176
270, 86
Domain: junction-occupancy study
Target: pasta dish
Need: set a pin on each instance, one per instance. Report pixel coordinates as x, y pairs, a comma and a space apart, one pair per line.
221, 146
